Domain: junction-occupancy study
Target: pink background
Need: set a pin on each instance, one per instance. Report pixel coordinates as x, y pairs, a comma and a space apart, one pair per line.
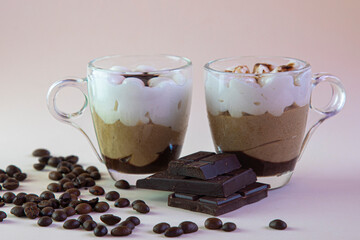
45, 41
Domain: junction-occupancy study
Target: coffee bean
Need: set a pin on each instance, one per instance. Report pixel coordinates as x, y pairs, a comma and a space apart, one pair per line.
44, 204
69, 211
89, 182
11, 170
73, 166
65, 199
110, 219
68, 185
121, 231
100, 230
89, 225
55, 203
39, 166
54, 175
213, 223
278, 224
44, 221
161, 227
188, 227
174, 232
83, 208
47, 211
122, 202
83, 218
122, 184
3, 177
29, 204
70, 176
141, 207
95, 175
18, 211
64, 180
11, 184
74, 203
47, 195
112, 196
97, 190
73, 191
40, 152
8, 197
72, 159
64, 164
32, 212
91, 169
228, 227
71, 224
78, 170
63, 170
85, 175
20, 199
137, 201
59, 215
44, 160
2, 216
20, 176
91, 202
128, 224
32, 198
54, 187
54, 162
134, 220
101, 207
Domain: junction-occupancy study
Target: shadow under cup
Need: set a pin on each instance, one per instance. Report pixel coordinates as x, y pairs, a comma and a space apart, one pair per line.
262, 117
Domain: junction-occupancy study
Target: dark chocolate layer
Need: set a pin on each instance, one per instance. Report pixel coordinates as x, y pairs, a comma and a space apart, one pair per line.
161, 163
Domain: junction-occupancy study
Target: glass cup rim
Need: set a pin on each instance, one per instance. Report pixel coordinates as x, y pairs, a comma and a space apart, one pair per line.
92, 63
300, 70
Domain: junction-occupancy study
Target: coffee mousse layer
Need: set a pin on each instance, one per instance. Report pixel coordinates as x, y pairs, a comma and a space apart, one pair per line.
268, 144
143, 148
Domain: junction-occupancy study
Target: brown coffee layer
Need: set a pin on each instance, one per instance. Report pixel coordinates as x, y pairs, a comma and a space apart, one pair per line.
161, 163
264, 168
135, 148
274, 139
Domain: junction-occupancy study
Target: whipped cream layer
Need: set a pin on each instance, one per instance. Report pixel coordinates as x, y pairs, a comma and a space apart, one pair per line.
119, 96
241, 94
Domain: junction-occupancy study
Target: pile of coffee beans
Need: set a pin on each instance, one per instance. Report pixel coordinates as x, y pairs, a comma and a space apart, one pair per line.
215, 223
184, 227
11, 177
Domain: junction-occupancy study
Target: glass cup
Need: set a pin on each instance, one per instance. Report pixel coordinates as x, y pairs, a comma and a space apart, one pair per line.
261, 114
139, 106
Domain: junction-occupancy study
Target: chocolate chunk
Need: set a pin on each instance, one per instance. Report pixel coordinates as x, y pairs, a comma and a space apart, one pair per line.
220, 186
204, 165
217, 206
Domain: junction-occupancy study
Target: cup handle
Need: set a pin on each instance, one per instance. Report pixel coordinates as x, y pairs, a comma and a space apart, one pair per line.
69, 118
334, 106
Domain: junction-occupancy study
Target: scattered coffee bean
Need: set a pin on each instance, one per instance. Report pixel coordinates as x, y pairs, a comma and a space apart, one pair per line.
128, 224
65, 199
85, 175
121, 231
228, 227
71, 224
32, 198
78, 170
122, 184
64, 164
97, 190
112, 196
18, 211
188, 227
173, 232
41, 152
55, 203
70, 211
11, 184
72, 159
122, 202
101, 207
54, 187
74, 203
2, 216
20, 199
95, 175
47, 211
44, 204
64, 180
44, 160
39, 166
44, 221
73, 191
59, 215
3, 177
89, 182
20, 176
83, 218
278, 224
137, 201
134, 219
63, 170
68, 185
11, 170
47, 195
91, 202
89, 225
213, 223
56, 176
141, 207
100, 230
110, 219
54, 162
161, 227
83, 208
32, 212
91, 169
8, 197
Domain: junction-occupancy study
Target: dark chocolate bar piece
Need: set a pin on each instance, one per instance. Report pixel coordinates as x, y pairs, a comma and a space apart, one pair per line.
220, 186
204, 165
218, 206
